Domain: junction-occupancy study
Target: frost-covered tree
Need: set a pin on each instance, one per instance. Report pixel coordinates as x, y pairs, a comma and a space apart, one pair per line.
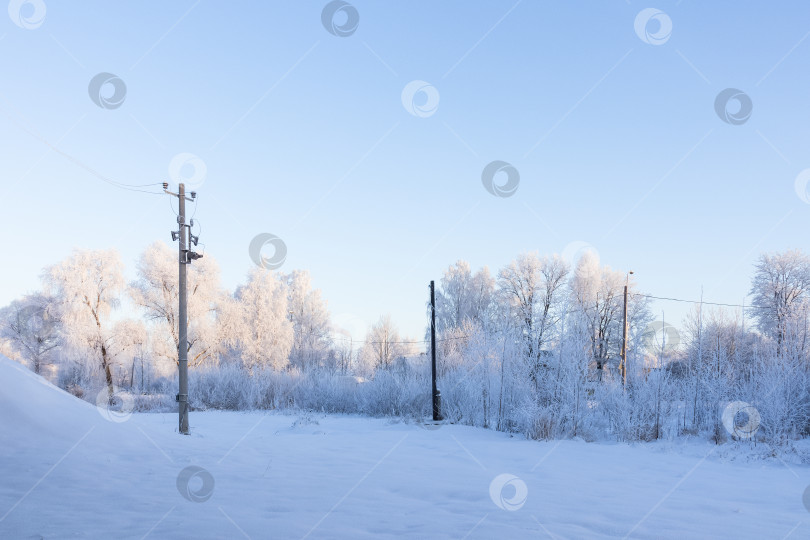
131, 339
32, 329
382, 346
257, 323
464, 297
597, 298
780, 291
310, 319
156, 291
86, 287
532, 289
344, 356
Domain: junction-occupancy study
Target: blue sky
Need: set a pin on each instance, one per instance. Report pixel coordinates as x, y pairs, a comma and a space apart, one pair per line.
304, 135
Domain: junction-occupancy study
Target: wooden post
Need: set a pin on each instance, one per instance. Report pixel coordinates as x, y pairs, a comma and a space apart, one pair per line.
437, 399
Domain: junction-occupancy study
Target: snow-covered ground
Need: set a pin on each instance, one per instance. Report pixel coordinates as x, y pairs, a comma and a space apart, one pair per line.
67, 472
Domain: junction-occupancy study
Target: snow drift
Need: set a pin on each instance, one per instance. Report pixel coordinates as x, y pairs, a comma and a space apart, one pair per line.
66, 471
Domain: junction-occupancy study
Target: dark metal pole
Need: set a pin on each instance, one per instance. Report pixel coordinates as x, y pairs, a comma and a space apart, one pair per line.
182, 347
437, 399
624, 339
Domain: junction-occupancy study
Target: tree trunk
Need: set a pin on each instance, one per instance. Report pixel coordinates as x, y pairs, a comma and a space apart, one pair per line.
105, 363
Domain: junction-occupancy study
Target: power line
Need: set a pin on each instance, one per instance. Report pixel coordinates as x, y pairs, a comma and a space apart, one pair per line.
76, 161
699, 301
452, 338
422, 342
172, 208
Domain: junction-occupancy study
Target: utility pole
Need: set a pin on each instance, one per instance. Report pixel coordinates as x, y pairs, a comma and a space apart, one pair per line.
185, 256
182, 348
624, 332
437, 397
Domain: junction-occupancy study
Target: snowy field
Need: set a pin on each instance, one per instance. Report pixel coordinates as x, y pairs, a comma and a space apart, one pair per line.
67, 472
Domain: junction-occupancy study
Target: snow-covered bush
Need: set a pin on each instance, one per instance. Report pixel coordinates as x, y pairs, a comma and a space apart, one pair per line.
535, 350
